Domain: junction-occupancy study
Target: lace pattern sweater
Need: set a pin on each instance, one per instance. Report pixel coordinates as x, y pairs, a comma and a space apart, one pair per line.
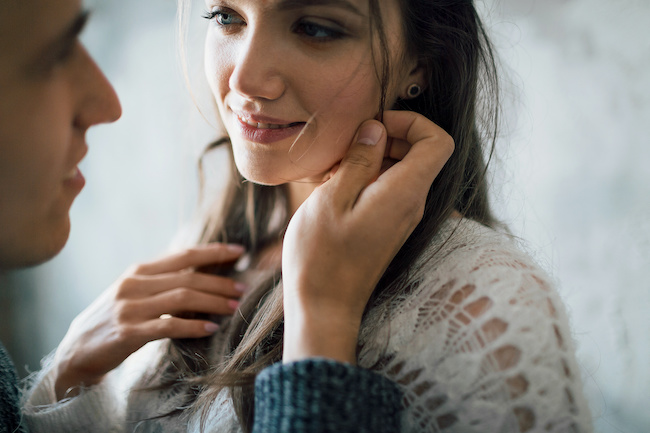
477, 342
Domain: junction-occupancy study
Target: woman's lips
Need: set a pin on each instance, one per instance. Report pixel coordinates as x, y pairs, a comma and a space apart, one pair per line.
267, 132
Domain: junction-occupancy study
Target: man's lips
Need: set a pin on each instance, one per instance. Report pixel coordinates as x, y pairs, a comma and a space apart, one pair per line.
71, 174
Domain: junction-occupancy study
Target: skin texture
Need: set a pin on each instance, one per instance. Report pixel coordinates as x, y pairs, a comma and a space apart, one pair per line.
330, 82
52, 92
128, 314
344, 236
335, 248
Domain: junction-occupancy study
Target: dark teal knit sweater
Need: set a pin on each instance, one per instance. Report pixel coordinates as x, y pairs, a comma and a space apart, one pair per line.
9, 415
321, 396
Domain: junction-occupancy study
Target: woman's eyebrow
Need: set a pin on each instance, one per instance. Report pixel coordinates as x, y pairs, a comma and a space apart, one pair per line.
297, 4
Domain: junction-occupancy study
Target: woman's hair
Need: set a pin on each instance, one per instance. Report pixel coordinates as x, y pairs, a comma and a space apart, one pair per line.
460, 95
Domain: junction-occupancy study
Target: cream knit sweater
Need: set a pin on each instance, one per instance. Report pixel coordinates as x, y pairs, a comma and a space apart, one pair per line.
478, 342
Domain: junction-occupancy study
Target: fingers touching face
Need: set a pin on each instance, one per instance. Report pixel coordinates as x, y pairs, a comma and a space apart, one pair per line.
294, 80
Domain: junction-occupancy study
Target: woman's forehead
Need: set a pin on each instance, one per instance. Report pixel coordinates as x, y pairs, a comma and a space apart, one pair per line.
353, 6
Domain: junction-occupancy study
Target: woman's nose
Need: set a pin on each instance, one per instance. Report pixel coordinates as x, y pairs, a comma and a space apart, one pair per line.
257, 72
98, 102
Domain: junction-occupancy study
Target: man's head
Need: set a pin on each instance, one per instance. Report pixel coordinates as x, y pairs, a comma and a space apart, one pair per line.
51, 92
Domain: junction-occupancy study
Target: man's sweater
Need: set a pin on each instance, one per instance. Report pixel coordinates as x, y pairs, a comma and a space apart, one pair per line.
9, 415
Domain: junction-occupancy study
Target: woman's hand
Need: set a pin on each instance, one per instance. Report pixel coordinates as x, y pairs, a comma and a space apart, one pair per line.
128, 314
343, 237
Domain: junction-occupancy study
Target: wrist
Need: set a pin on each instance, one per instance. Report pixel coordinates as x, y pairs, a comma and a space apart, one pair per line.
69, 383
317, 334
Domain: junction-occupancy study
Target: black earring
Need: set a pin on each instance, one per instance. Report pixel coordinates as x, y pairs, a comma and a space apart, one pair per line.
414, 90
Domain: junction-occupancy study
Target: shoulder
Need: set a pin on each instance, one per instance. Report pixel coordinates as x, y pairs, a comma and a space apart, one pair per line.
470, 275
9, 415
478, 339
479, 269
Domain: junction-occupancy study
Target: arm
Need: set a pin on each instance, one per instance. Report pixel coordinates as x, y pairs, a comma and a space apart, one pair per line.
80, 384
341, 240
481, 343
337, 246
318, 395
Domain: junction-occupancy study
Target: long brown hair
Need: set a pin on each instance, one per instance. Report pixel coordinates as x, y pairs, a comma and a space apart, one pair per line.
461, 95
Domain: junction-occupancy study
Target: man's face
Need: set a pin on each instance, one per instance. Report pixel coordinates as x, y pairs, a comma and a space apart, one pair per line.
51, 92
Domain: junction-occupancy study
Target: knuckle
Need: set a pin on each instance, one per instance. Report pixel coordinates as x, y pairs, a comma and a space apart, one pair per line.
126, 333
138, 268
359, 160
180, 295
449, 143
190, 256
166, 326
123, 312
187, 279
126, 286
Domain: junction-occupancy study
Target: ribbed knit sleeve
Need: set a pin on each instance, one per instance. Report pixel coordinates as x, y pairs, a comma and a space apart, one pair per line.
321, 396
9, 415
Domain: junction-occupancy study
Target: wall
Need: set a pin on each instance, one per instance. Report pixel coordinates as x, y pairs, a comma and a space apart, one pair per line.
571, 176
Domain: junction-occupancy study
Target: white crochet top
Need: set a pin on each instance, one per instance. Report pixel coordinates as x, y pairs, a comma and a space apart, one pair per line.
479, 342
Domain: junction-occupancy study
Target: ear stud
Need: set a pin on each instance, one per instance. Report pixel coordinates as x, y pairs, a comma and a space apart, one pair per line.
414, 90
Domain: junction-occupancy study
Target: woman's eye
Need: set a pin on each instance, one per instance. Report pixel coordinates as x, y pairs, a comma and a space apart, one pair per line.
317, 31
223, 18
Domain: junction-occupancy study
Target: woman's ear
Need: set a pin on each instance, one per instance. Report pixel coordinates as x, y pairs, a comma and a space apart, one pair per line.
414, 83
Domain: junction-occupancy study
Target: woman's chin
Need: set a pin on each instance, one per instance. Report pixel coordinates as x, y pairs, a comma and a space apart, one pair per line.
260, 177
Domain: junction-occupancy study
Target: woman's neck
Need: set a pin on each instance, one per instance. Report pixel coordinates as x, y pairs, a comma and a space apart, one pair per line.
298, 193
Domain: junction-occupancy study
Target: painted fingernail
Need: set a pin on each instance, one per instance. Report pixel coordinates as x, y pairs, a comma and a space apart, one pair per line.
233, 304
211, 327
370, 134
241, 287
234, 248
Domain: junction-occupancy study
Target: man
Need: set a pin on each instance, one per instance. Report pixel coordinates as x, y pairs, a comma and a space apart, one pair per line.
51, 92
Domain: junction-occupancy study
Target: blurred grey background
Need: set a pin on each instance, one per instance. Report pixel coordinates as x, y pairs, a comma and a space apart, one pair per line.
571, 178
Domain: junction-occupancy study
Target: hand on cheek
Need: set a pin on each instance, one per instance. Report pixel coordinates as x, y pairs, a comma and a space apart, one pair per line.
343, 237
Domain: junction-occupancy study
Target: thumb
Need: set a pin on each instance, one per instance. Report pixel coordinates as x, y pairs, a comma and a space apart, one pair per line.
362, 162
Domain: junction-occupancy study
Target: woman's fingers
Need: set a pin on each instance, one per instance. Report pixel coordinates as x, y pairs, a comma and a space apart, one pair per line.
139, 286
193, 257
431, 147
362, 162
175, 327
396, 148
400, 191
176, 301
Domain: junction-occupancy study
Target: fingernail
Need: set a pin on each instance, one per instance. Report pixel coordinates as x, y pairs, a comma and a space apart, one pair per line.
211, 327
370, 134
241, 287
234, 248
233, 304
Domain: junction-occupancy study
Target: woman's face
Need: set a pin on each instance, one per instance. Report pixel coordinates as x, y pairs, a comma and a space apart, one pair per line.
293, 79
51, 93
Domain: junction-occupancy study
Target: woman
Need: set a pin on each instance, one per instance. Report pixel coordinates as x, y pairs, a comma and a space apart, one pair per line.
345, 261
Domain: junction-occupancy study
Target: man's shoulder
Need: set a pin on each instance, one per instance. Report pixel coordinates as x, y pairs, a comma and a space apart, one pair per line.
9, 415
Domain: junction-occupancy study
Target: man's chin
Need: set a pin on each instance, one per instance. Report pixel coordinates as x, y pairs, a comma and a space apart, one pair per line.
34, 249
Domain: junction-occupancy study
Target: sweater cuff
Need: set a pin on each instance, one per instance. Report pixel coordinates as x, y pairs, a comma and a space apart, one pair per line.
93, 408
319, 395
